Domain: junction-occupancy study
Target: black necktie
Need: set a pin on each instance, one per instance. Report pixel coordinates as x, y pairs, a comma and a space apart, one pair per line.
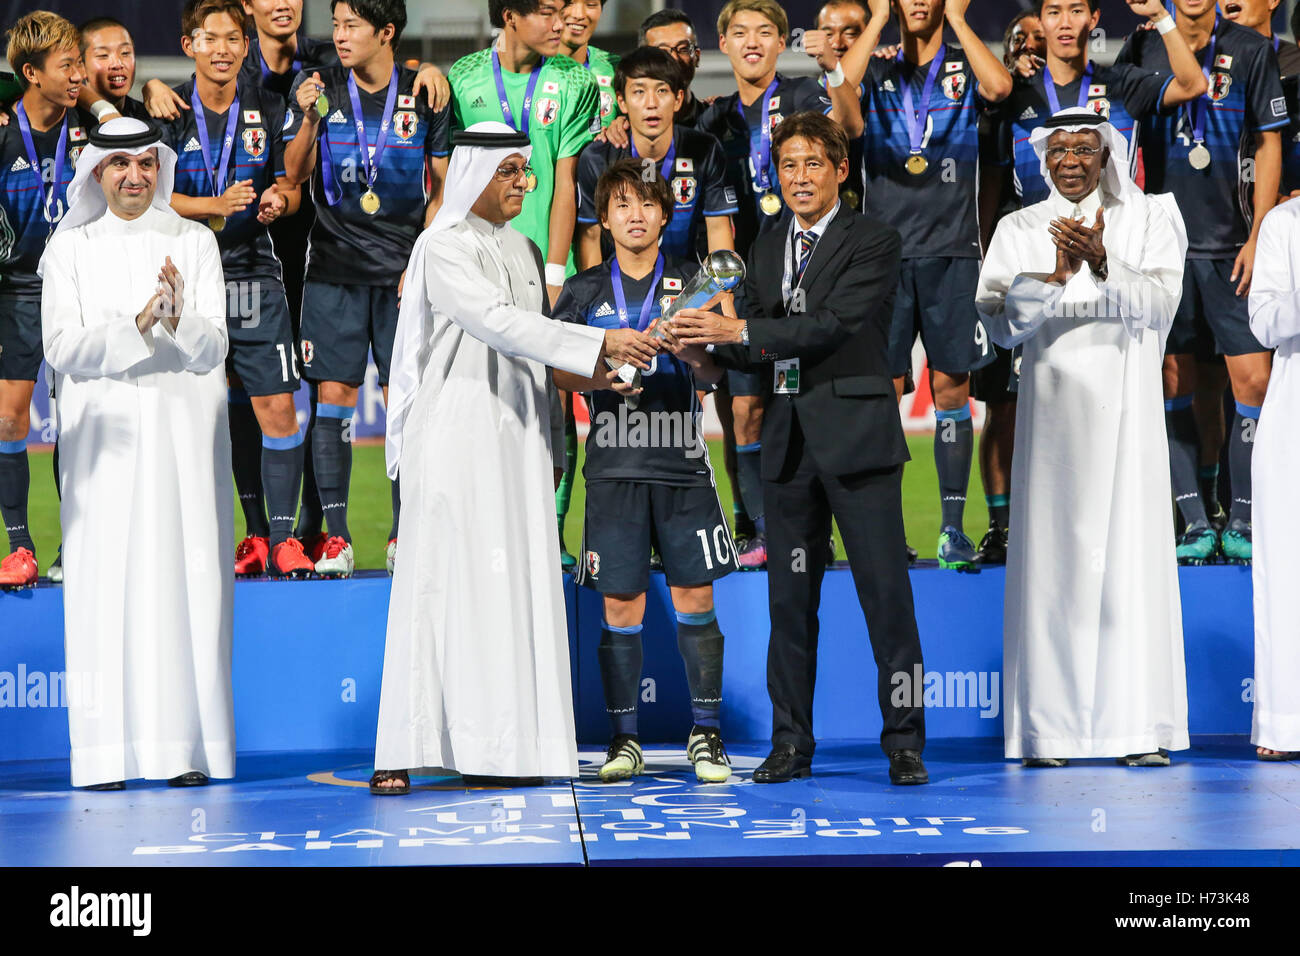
807, 240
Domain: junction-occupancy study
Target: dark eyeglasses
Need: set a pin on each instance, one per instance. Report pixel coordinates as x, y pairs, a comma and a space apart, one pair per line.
510, 172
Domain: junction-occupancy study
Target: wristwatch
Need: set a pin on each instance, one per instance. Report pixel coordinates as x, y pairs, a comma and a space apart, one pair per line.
744, 334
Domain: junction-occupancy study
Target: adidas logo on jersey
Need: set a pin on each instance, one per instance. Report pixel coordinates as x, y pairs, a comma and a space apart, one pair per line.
19, 165
192, 146
605, 309
478, 104
1028, 114
338, 117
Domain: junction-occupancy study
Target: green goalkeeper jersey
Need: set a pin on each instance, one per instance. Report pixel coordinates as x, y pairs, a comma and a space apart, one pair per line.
563, 118
601, 66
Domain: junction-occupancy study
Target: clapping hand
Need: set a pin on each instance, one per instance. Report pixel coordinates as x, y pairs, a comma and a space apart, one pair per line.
1080, 242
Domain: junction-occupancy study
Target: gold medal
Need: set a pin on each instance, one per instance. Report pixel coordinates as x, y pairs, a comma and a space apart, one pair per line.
369, 202
216, 223
530, 183
851, 199
322, 105
917, 164
770, 204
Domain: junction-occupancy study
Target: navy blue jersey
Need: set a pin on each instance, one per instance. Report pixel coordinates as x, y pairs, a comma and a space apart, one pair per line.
857, 180
131, 108
696, 181
650, 443
1245, 97
26, 221
1123, 93
738, 133
1288, 61
935, 211
348, 246
257, 154
311, 55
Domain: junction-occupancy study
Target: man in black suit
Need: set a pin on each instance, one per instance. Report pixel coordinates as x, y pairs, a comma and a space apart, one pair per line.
818, 295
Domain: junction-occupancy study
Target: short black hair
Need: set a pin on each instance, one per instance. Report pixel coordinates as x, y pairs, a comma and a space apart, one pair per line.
379, 13
632, 177
662, 18
1038, 6
497, 10
96, 24
816, 127
651, 62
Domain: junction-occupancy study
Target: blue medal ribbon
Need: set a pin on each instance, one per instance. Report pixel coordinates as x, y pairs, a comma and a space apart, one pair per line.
60, 152
620, 303
217, 175
762, 182
916, 118
1049, 87
1195, 110
370, 160
506, 113
666, 168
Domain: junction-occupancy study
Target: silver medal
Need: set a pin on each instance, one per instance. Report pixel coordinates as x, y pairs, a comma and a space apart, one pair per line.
1199, 157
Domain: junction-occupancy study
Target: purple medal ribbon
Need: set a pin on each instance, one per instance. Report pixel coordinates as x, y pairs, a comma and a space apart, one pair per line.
528, 93
762, 182
916, 119
1197, 108
620, 303
1049, 87
666, 169
217, 176
372, 157
60, 152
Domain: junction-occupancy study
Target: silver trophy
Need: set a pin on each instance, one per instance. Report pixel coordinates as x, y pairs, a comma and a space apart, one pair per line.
721, 271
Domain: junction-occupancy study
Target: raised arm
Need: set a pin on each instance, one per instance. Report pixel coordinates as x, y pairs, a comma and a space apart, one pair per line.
993, 78
858, 56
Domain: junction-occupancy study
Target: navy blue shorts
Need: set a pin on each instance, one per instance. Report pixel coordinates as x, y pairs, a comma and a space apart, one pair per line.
1211, 318
1000, 379
340, 323
689, 530
744, 383
20, 339
936, 300
261, 338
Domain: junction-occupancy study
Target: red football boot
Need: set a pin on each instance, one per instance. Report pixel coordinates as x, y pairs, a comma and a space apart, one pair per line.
18, 570
251, 555
289, 561
314, 546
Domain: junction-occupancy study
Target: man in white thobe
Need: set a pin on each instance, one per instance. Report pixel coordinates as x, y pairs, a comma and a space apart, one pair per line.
1275, 463
1088, 281
476, 660
133, 321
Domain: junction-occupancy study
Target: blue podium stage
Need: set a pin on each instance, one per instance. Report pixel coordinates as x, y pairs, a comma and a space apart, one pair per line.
307, 663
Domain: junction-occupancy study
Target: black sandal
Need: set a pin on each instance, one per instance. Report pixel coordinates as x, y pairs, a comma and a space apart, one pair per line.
383, 776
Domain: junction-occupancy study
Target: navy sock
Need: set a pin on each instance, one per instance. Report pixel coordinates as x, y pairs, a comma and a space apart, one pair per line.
620, 674
1184, 455
246, 461
282, 461
954, 443
310, 517
750, 474
15, 483
1242, 443
396, 493
700, 642
331, 451
999, 509
1208, 478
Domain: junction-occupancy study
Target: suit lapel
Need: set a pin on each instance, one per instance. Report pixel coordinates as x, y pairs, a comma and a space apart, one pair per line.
822, 251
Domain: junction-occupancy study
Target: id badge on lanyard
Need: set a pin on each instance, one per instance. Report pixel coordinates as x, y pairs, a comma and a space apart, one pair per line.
785, 372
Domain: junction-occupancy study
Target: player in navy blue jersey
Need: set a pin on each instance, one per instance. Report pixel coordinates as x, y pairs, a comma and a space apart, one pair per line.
922, 110
673, 32
647, 473
843, 21
371, 202
109, 55
1122, 92
753, 34
649, 85
38, 150
1202, 154
230, 176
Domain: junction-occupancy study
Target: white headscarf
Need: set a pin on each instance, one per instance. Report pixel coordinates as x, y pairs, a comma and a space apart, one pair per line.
1127, 209
468, 174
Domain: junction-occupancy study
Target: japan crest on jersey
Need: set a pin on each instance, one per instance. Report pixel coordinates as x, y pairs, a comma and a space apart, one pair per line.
547, 110
593, 563
683, 188
774, 120
954, 85
405, 123
74, 153
1219, 85
255, 142
606, 103
1100, 107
